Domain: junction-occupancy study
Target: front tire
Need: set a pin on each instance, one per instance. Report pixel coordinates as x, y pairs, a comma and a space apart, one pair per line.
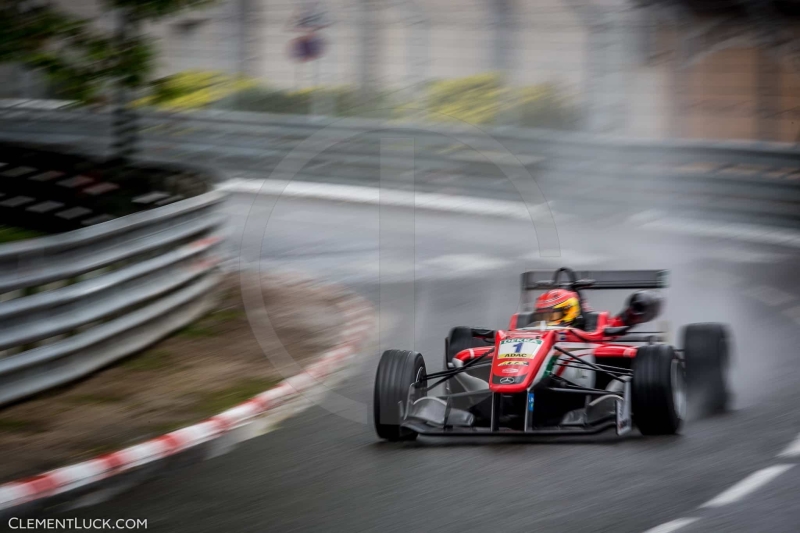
658, 390
705, 350
397, 370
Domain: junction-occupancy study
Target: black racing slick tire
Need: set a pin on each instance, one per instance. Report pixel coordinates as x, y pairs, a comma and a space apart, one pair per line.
397, 370
658, 392
705, 352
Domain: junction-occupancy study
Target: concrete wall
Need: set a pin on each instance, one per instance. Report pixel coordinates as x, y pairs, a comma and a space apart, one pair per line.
741, 89
623, 65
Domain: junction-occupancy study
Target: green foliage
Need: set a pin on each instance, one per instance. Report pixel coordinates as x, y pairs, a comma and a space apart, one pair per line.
269, 100
227, 315
193, 89
197, 330
343, 101
545, 106
155, 9
475, 99
480, 99
149, 361
13, 234
26, 30
78, 58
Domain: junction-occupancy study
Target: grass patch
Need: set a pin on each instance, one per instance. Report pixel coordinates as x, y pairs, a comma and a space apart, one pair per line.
226, 315
96, 398
163, 428
12, 234
15, 425
197, 331
211, 403
148, 361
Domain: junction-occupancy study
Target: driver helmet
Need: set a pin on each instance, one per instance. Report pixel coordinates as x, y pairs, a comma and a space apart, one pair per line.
557, 307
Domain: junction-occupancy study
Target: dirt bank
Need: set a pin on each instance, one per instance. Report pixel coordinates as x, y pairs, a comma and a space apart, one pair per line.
199, 371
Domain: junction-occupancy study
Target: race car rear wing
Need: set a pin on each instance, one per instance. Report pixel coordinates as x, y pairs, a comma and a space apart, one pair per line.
600, 279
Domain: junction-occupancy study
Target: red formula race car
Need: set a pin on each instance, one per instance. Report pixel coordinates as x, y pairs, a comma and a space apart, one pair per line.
559, 369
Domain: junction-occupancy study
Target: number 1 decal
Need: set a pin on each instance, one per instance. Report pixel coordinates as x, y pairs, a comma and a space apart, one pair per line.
519, 348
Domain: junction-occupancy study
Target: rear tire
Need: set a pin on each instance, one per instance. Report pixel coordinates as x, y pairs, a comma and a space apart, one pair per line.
657, 390
397, 370
705, 351
459, 339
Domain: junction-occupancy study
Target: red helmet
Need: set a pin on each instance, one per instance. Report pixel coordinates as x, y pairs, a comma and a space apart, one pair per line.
557, 307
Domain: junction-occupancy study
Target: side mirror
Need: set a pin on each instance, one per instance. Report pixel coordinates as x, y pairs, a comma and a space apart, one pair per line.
642, 306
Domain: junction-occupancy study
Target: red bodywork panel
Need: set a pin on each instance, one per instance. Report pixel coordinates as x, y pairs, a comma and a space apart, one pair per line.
519, 354
519, 357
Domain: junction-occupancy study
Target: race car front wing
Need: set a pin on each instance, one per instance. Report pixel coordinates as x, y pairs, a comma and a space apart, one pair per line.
436, 416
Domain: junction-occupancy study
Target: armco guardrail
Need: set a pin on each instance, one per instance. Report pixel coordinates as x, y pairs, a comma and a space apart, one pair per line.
235, 128
75, 302
731, 179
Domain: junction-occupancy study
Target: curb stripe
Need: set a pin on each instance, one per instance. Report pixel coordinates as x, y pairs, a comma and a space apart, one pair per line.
64, 479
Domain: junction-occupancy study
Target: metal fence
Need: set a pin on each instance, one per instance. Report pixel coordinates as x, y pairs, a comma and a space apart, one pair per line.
75, 302
738, 180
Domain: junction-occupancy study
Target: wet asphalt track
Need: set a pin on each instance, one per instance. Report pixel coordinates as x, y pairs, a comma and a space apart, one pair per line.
322, 472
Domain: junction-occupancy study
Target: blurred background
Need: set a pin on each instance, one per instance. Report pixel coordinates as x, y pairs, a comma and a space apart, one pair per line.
708, 69
188, 186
